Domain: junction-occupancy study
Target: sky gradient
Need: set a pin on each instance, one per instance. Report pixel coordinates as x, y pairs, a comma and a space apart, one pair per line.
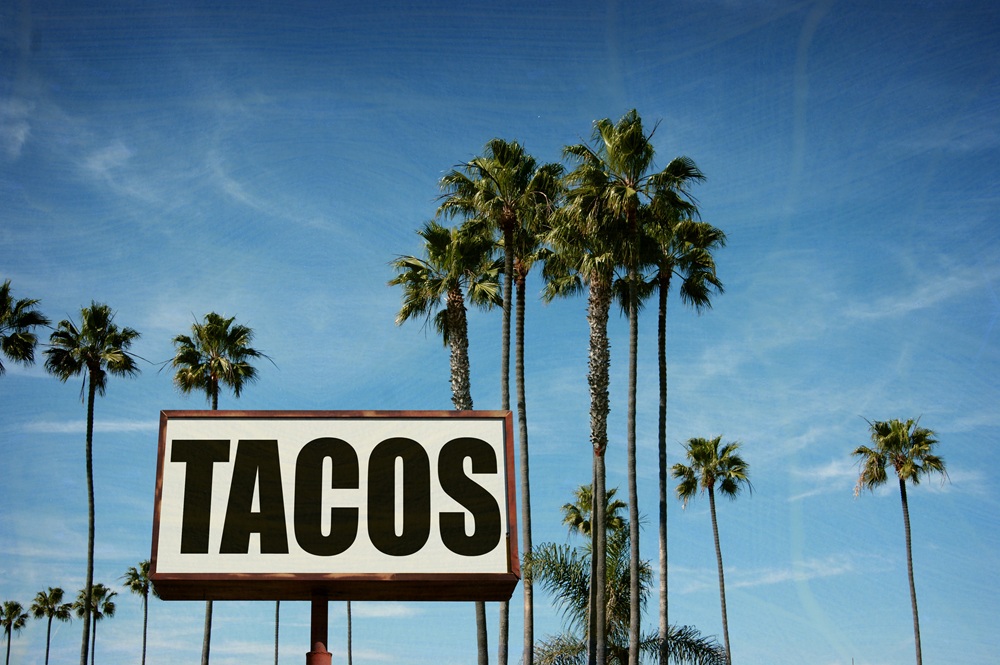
268, 160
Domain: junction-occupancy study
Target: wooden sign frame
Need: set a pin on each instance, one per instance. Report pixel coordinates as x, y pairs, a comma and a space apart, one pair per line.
432, 573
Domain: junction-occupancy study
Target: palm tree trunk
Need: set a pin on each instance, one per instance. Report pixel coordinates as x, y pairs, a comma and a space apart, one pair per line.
277, 624
661, 332
93, 644
633, 491
909, 569
482, 643
522, 430
89, 584
206, 641
48, 640
722, 579
597, 376
503, 639
349, 637
145, 624
8, 645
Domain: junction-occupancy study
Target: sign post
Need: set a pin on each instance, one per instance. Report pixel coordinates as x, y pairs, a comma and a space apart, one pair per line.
328, 505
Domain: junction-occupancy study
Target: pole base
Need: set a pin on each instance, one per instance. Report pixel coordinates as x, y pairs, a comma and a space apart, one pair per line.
319, 655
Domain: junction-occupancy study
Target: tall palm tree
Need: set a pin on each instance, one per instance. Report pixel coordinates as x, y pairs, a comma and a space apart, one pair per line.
615, 179
12, 618
565, 571
96, 348
506, 191
582, 258
101, 605
683, 247
216, 354
458, 261
49, 605
137, 581
18, 318
713, 465
908, 448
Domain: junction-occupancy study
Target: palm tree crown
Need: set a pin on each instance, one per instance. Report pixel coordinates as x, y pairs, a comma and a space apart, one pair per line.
217, 352
712, 466
17, 320
98, 347
12, 618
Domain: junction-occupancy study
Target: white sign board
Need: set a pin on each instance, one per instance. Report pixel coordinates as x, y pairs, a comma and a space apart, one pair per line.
278, 504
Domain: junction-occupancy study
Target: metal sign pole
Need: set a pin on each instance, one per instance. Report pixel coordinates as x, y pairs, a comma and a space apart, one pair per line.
318, 631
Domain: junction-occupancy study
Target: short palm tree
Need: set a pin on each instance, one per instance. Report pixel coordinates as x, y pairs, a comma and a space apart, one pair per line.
96, 348
12, 618
137, 581
101, 603
458, 261
49, 605
216, 354
713, 466
564, 571
18, 319
909, 450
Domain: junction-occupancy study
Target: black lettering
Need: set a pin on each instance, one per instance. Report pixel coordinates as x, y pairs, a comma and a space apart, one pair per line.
257, 463
309, 493
200, 456
416, 488
474, 497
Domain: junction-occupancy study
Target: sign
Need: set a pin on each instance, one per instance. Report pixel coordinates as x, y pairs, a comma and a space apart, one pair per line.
284, 505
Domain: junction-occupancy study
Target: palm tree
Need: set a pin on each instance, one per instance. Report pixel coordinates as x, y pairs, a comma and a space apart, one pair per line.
96, 348
101, 605
908, 448
12, 618
137, 581
457, 260
713, 464
682, 247
505, 191
217, 353
565, 571
614, 179
49, 605
18, 318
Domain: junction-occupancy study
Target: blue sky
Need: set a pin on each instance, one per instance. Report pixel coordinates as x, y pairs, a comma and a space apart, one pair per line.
268, 160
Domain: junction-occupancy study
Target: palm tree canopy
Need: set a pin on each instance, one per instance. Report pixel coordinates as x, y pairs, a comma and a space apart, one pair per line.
101, 603
217, 352
137, 580
12, 617
711, 465
49, 604
98, 346
901, 444
18, 318
577, 514
457, 259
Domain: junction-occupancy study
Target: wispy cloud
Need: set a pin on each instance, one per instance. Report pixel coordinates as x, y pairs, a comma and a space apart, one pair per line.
14, 126
833, 476
383, 610
798, 571
80, 426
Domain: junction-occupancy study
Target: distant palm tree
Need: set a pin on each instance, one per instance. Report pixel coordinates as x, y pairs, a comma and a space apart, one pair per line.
18, 318
49, 605
506, 191
908, 448
217, 353
458, 261
565, 571
101, 605
12, 618
137, 581
97, 348
713, 465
